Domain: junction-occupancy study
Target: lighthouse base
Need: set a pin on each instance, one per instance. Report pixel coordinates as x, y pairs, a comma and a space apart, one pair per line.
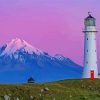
90, 74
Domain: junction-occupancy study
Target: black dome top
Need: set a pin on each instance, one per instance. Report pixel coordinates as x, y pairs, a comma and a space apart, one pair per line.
89, 17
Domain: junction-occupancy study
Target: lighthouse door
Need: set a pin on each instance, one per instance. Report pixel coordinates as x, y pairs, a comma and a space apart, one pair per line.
92, 74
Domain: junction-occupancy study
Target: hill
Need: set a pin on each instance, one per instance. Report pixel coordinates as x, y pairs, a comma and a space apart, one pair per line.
60, 90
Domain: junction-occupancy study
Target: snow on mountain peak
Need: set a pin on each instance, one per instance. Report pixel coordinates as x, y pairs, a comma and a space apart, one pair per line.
18, 44
60, 57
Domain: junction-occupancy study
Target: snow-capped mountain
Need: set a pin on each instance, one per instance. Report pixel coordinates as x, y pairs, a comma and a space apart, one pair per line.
18, 44
20, 60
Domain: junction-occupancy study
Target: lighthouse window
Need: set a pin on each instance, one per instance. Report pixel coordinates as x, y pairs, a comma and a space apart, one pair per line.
87, 62
95, 50
87, 38
87, 50
96, 62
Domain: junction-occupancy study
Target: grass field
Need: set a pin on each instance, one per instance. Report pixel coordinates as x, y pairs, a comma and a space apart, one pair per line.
62, 90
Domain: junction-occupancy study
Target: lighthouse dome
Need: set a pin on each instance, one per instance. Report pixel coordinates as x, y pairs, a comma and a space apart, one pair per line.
90, 20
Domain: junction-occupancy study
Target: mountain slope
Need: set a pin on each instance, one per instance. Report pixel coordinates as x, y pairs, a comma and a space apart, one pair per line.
19, 60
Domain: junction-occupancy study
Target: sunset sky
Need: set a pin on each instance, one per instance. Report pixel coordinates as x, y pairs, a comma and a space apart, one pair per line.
54, 26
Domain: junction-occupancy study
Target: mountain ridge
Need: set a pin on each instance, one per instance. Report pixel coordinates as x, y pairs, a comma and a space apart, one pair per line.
19, 60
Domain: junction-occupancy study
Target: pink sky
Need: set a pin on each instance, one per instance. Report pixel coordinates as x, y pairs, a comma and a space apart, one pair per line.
54, 26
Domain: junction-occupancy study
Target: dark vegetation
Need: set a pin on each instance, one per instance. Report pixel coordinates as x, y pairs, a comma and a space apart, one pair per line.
30, 80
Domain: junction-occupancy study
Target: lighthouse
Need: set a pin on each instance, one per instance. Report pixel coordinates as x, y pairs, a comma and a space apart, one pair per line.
90, 50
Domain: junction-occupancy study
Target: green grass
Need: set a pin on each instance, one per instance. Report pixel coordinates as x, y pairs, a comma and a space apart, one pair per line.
62, 90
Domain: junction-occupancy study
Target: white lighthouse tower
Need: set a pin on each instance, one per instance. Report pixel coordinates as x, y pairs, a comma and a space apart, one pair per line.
90, 50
